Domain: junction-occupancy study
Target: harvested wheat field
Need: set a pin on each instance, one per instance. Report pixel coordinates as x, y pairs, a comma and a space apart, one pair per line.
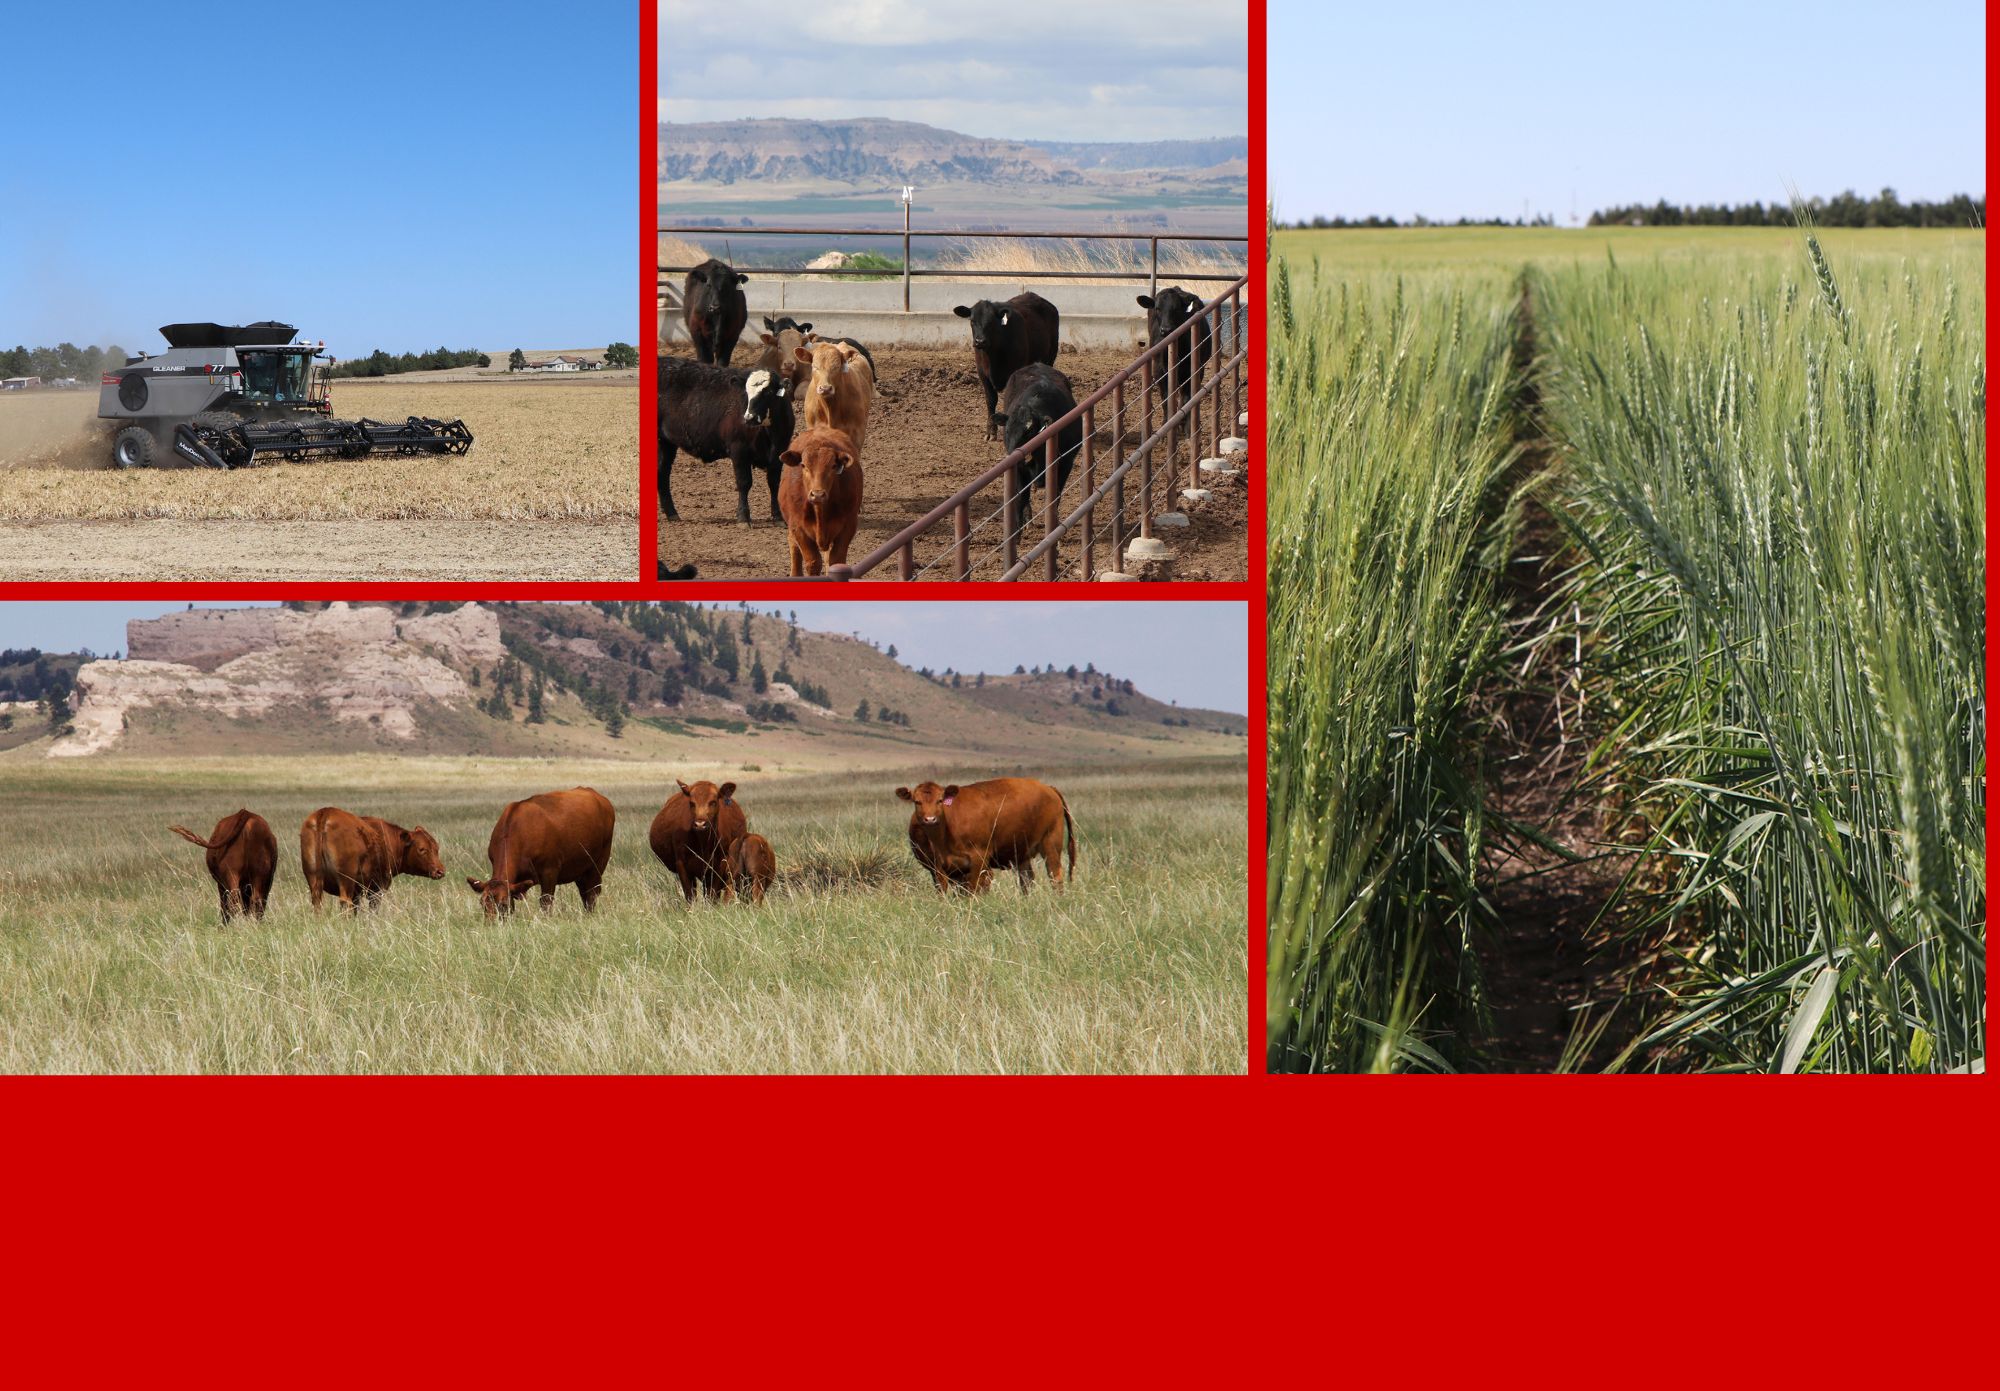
559, 456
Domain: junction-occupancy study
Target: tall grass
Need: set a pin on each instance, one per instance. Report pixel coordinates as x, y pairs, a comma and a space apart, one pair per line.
1779, 476
1388, 436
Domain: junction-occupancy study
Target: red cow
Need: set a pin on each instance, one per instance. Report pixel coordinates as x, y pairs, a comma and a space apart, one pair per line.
694, 833
242, 860
356, 857
547, 840
962, 834
821, 498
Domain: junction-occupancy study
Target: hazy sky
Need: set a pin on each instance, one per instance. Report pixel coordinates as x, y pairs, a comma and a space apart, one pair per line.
1454, 108
1196, 653
1024, 70
390, 175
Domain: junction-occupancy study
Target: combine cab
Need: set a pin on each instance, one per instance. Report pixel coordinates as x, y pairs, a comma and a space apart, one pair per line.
221, 395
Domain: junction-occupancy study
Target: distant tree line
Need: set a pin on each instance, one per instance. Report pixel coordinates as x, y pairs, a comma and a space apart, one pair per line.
63, 360
381, 364
1848, 209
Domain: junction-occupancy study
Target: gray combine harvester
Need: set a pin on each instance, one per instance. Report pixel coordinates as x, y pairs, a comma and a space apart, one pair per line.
222, 395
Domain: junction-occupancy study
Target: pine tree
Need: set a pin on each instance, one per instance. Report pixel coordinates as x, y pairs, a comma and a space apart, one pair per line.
861, 711
758, 681
535, 715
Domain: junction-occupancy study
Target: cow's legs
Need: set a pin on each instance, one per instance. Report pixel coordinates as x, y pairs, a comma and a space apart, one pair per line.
589, 892
666, 475
806, 549
992, 407
686, 877
772, 473
223, 892
1025, 871
743, 475
1052, 846
260, 894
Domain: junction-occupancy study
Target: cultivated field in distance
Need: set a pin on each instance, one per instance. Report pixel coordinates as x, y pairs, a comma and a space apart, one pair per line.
111, 957
558, 455
1627, 650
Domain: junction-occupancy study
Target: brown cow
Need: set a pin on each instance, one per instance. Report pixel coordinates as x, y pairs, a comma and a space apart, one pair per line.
356, 857
242, 860
962, 834
777, 352
550, 839
841, 392
694, 833
820, 496
752, 867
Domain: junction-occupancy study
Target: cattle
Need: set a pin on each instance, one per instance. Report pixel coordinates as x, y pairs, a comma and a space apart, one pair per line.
752, 867
854, 343
778, 353
713, 309
960, 835
677, 572
694, 832
713, 413
841, 392
1174, 371
821, 499
1037, 397
242, 860
356, 857
1006, 336
545, 841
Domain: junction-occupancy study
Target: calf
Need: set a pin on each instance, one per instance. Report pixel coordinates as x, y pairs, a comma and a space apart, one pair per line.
841, 391
778, 353
1006, 336
723, 412
713, 308
356, 857
242, 860
962, 834
752, 867
545, 841
821, 499
694, 832
1037, 397
1174, 371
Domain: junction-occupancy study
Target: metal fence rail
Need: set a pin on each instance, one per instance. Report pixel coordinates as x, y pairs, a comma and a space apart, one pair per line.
1153, 442
908, 233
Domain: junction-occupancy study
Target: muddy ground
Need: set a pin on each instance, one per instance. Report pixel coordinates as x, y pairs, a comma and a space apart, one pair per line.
927, 439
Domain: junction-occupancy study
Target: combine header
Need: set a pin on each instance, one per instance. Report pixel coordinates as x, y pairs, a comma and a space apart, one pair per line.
222, 395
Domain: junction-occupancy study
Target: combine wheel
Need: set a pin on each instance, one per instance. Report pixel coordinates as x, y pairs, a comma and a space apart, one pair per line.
134, 447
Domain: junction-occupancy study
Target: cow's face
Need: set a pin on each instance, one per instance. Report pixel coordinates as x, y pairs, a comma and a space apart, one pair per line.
827, 361
762, 392
497, 896
1167, 311
711, 285
821, 458
707, 800
420, 853
930, 800
989, 321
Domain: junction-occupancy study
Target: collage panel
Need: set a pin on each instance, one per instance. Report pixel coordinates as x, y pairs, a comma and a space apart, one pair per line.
1627, 545
623, 836
371, 323
936, 307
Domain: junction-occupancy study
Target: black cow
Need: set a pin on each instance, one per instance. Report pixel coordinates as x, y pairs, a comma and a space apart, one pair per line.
1037, 397
683, 572
1173, 372
713, 309
723, 412
1007, 336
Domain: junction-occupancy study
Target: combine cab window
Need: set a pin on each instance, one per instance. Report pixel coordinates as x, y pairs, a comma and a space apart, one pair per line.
279, 377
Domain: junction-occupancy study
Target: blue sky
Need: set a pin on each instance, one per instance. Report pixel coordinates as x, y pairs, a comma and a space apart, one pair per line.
1196, 653
1024, 70
1450, 108
382, 175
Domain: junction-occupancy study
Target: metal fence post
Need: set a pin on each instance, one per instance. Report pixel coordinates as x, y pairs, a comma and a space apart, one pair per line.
1153, 286
906, 256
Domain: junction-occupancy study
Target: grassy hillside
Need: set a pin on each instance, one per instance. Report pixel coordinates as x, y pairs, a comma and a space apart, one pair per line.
112, 959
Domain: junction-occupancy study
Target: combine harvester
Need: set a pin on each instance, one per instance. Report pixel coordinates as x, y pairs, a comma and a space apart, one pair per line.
220, 396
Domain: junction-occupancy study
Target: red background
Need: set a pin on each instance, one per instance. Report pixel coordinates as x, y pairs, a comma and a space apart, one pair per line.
1610, 1232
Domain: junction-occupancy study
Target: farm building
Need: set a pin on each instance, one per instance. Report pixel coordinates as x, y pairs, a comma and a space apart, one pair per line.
20, 383
563, 363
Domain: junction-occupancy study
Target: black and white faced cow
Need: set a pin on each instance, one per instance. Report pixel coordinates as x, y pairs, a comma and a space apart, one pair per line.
1007, 335
742, 415
1174, 371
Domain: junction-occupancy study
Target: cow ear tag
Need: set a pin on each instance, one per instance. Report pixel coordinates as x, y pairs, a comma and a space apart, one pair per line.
949, 800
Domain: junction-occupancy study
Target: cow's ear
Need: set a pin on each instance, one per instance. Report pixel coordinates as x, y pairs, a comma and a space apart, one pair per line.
682, 786
841, 461
477, 886
406, 839
727, 791
741, 277
1145, 301
770, 324
951, 792
1192, 306
520, 887
805, 328
790, 458
904, 793
802, 354
962, 312
767, 339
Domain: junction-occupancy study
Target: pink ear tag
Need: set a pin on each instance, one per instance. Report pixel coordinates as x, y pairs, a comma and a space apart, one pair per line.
949, 800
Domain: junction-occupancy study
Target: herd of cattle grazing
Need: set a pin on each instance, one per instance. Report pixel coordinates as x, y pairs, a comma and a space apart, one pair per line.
959, 835
751, 416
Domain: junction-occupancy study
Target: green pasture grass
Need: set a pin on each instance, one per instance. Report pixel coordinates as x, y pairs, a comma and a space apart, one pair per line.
112, 958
